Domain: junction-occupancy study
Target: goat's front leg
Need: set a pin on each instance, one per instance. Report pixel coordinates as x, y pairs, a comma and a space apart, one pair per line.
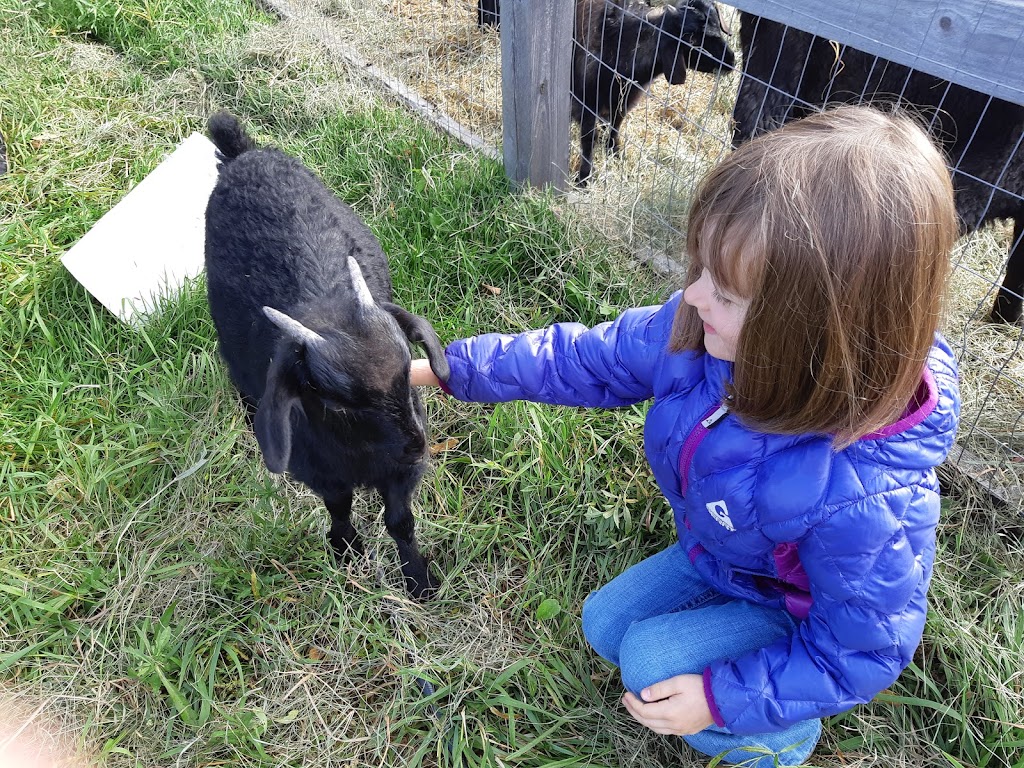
400, 523
614, 123
588, 130
1007, 307
342, 535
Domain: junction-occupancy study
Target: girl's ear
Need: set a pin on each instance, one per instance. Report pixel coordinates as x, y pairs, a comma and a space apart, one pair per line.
273, 423
421, 332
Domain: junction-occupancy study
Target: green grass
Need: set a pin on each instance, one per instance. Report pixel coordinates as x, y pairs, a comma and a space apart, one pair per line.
159, 34
172, 604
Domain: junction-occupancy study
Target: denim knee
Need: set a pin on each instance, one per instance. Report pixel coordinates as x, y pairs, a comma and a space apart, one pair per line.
791, 747
602, 627
644, 661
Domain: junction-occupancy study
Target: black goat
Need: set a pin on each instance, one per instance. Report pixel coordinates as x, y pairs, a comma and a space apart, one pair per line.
621, 46
788, 73
488, 13
300, 293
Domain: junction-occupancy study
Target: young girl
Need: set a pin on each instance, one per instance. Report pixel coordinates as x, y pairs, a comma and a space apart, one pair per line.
801, 400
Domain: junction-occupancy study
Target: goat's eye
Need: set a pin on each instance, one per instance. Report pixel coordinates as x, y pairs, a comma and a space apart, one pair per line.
334, 404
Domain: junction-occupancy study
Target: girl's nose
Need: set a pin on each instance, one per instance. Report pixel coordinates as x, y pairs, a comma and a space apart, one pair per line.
688, 296
694, 294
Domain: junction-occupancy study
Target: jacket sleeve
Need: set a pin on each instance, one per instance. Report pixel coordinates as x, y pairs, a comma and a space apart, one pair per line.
868, 564
611, 364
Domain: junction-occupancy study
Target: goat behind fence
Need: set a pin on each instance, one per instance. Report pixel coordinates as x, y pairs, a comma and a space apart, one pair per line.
788, 73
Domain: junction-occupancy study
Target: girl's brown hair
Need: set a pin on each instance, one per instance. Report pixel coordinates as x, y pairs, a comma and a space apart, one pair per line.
838, 228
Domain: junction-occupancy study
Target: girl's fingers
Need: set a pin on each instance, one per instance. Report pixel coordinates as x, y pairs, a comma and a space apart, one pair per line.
662, 690
673, 716
645, 714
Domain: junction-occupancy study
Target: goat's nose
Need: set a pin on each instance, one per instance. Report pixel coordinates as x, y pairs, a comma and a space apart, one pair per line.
415, 447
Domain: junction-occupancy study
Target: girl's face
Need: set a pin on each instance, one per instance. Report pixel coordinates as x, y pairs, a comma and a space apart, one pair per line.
723, 315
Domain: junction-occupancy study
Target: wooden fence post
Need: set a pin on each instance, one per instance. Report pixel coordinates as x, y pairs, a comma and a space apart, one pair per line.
536, 54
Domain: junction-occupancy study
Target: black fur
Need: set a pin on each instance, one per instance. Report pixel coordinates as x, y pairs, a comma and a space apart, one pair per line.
623, 45
331, 394
488, 13
788, 73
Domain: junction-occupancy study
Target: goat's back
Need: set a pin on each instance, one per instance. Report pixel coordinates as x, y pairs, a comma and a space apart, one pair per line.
609, 29
606, 37
276, 236
980, 135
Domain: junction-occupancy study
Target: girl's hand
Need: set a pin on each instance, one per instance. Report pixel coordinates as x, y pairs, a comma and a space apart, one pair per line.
420, 374
673, 707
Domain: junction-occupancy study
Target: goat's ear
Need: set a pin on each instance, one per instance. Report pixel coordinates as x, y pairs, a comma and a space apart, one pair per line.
671, 52
273, 423
421, 332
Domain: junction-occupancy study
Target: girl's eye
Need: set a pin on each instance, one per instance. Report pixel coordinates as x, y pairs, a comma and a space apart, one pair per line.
720, 298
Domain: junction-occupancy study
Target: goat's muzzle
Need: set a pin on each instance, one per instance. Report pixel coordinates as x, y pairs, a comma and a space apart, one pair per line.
414, 450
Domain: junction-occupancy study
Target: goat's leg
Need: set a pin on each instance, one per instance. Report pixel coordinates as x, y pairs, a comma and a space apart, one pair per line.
400, 523
588, 129
618, 114
1008, 304
342, 536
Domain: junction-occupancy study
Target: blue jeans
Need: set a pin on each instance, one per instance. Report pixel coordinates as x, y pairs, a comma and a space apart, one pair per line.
659, 619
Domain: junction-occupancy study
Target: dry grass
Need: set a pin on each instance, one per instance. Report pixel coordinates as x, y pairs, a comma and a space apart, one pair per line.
991, 363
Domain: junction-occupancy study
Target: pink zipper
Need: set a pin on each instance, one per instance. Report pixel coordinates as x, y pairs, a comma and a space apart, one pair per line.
693, 440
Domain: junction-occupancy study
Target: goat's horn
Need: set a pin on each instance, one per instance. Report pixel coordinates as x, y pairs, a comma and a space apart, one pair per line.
359, 284
292, 327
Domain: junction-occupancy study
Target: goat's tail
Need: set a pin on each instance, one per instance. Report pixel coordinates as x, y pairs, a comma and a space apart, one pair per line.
228, 135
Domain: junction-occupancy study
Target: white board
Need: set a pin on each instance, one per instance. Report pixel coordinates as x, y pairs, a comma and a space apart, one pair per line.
152, 241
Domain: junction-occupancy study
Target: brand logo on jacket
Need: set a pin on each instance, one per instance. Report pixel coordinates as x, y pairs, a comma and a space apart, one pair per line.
720, 512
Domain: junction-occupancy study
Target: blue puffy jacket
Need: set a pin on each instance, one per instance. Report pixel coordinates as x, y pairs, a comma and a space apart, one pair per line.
843, 540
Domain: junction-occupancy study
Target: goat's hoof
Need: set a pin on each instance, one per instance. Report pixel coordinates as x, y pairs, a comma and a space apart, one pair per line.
344, 551
425, 592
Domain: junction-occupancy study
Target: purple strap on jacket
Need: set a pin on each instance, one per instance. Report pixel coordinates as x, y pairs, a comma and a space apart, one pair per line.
712, 706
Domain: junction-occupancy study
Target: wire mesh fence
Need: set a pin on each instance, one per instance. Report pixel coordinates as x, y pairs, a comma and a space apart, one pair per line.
789, 72
659, 92
431, 54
